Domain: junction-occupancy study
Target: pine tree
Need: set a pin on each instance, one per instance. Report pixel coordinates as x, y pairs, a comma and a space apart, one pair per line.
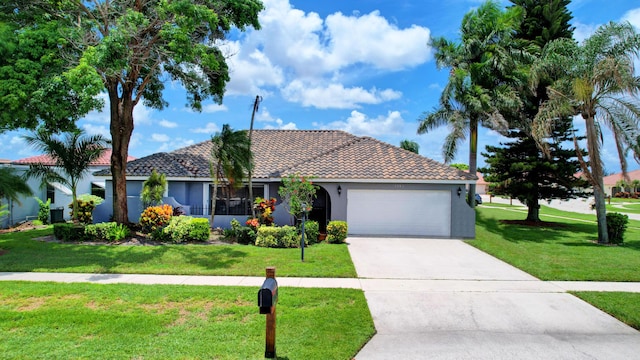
520, 169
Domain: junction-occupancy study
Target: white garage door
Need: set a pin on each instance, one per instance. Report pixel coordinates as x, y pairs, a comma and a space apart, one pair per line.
399, 212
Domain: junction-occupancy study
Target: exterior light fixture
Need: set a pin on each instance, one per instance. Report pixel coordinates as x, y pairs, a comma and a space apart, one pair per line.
339, 190
459, 191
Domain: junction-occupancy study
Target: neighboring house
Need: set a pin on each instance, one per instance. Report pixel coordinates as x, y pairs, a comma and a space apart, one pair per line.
481, 185
610, 181
60, 195
379, 189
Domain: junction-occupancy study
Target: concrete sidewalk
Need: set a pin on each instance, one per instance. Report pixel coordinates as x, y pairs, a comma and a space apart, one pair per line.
366, 284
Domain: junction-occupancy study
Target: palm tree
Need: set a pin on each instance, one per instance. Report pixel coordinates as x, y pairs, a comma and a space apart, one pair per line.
595, 80
409, 145
231, 160
72, 154
11, 186
476, 92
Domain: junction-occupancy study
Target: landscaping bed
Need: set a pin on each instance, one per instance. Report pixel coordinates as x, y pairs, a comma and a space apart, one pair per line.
23, 253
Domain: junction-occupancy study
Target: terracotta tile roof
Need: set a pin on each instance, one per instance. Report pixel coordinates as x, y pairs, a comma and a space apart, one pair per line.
613, 179
326, 154
104, 160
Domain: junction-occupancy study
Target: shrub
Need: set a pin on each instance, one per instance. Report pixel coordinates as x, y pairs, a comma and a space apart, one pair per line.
155, 217
337, 232
109, 231
616, 227
69, 232
311, 232
43, 210
186, 228
277, 237
85, 210
153, 189
264, 210
241, 234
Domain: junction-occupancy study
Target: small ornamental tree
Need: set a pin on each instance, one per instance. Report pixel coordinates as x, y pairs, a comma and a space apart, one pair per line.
153, 189
298, 193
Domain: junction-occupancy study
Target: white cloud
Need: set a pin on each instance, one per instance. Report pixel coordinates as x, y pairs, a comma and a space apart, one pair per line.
175, 144
210, 128
335, 96
359, 124
583, 31
280, 125
160, 137
168, 124
633, 17
371, 39
92, 129
310, 58
212, 108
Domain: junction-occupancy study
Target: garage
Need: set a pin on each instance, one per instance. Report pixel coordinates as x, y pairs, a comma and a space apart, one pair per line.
399, 212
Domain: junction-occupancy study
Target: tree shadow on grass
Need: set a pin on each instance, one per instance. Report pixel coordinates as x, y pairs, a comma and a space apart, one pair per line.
517, 231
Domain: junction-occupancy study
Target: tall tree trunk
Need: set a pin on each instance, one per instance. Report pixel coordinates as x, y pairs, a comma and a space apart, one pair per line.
473, 160
533, 210
596, 176
121, 130
253, 114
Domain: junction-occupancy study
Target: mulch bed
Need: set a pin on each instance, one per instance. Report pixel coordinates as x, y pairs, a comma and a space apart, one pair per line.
544, 224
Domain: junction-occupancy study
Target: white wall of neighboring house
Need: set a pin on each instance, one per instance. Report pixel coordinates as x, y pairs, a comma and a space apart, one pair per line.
26, 208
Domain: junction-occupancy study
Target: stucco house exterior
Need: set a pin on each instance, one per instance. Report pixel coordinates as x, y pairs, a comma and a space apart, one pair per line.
60, 195
610, 182
378, 188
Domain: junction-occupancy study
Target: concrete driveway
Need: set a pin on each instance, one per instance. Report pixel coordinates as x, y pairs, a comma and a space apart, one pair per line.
443, 299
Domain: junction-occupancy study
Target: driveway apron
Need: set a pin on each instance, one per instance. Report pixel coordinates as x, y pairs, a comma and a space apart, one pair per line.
444, 299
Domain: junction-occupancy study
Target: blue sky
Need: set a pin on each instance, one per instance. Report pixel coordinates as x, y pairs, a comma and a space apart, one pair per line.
360, 66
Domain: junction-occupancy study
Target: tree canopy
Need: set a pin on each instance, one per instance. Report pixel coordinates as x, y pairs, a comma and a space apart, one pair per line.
129, 48
595, 80
520, 169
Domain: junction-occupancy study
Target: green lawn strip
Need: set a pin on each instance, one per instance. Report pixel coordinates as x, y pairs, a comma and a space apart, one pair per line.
565, 252
624, 208
124, 321
621, 305
21, 253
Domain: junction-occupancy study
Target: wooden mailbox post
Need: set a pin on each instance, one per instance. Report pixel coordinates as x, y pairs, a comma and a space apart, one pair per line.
267, 299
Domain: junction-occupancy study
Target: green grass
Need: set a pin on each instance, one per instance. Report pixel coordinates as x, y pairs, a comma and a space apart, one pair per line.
622, 306
565, 252
22, 253
624, 208
90, 321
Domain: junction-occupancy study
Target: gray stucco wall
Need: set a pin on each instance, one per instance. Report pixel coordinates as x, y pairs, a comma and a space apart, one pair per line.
191, 193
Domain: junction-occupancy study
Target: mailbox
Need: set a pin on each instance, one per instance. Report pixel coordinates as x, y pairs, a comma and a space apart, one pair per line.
268, 295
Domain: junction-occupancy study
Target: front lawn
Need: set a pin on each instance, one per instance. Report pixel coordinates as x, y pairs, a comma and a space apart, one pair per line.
121, 321
19, 252
565, 250
623, 306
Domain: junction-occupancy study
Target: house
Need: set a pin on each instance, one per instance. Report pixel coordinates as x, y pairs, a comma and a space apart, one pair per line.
379, 189
610, 182
60, 195
481, 185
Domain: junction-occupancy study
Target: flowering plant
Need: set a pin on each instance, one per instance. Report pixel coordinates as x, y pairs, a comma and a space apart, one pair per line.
253, 223
155, 217
264, 210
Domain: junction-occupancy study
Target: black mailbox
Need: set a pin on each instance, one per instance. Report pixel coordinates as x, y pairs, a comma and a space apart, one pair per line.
268, 295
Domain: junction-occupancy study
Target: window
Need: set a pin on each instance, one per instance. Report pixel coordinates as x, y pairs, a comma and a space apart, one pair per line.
235, 202
97, 190
51, 193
